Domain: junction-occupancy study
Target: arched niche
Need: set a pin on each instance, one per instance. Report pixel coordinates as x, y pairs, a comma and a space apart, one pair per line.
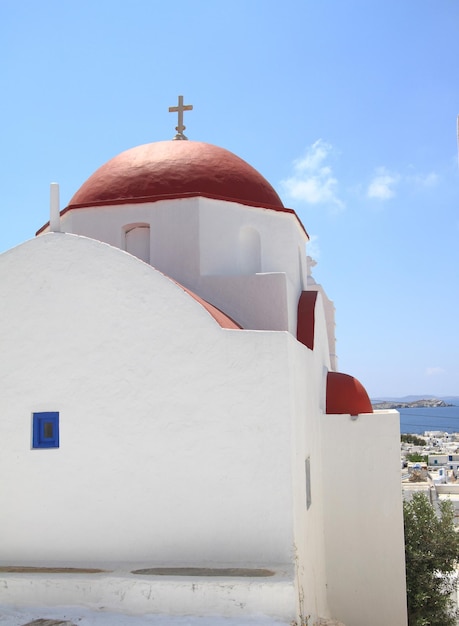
137, 241
249, 250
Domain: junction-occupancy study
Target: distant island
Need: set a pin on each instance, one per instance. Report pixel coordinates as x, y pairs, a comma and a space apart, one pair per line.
416, 404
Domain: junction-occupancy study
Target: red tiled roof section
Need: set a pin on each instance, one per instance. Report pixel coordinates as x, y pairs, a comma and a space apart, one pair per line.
345, 394
306, 318
221, 318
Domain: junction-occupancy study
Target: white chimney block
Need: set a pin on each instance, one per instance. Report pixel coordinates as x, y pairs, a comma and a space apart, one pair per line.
54, 215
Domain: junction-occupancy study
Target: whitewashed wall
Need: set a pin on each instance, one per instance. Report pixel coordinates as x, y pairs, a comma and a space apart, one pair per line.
258, 302
308, 372
363, 518
198, 240
176, 435
185, 443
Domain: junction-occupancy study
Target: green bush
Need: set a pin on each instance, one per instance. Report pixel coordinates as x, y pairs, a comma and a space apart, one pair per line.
416, 441
431, 552
415, 457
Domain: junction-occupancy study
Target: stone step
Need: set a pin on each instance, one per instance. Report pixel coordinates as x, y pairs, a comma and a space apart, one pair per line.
173, 594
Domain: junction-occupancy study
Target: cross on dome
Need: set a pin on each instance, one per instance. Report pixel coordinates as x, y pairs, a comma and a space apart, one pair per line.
179, 109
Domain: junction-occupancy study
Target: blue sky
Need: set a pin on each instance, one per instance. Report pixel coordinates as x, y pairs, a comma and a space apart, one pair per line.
348, 108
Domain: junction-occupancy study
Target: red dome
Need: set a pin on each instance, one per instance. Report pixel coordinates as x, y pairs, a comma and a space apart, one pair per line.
176, 169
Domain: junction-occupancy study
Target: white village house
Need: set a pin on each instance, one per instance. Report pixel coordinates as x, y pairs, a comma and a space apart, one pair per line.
170, 399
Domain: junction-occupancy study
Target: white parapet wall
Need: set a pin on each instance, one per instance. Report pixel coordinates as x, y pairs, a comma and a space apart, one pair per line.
363, 519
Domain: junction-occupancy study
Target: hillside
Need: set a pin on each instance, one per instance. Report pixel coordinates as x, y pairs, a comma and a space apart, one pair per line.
401, 403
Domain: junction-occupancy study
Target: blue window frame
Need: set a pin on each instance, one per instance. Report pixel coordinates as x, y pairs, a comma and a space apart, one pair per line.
45, 430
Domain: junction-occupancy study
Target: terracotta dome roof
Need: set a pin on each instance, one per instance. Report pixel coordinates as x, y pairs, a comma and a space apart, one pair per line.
176, 169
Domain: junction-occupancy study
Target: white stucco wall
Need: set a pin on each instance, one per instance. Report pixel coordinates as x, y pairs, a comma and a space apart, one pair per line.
176, 435
308, 398
363, 519
220, 228
329, 312
215, 239
183, 443
259, 301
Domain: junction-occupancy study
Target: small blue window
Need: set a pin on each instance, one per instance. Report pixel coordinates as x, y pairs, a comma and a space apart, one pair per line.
45, 430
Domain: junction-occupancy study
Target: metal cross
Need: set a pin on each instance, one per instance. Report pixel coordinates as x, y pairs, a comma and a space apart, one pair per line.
179, 109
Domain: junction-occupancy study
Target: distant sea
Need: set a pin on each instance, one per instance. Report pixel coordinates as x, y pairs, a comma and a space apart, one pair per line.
417, 421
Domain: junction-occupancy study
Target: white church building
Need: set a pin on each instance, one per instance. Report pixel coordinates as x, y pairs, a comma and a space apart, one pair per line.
170, 400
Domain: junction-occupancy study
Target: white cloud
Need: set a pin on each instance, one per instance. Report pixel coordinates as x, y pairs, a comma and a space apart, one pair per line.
434, 371
424, 180
313, 180
383, 184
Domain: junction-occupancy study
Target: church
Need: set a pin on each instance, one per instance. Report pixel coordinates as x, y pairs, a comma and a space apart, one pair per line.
170, 400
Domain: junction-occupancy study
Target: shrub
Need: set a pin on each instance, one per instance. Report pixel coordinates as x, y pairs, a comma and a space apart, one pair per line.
431, 552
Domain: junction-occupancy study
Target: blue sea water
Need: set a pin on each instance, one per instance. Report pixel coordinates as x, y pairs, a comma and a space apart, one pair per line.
439, 418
